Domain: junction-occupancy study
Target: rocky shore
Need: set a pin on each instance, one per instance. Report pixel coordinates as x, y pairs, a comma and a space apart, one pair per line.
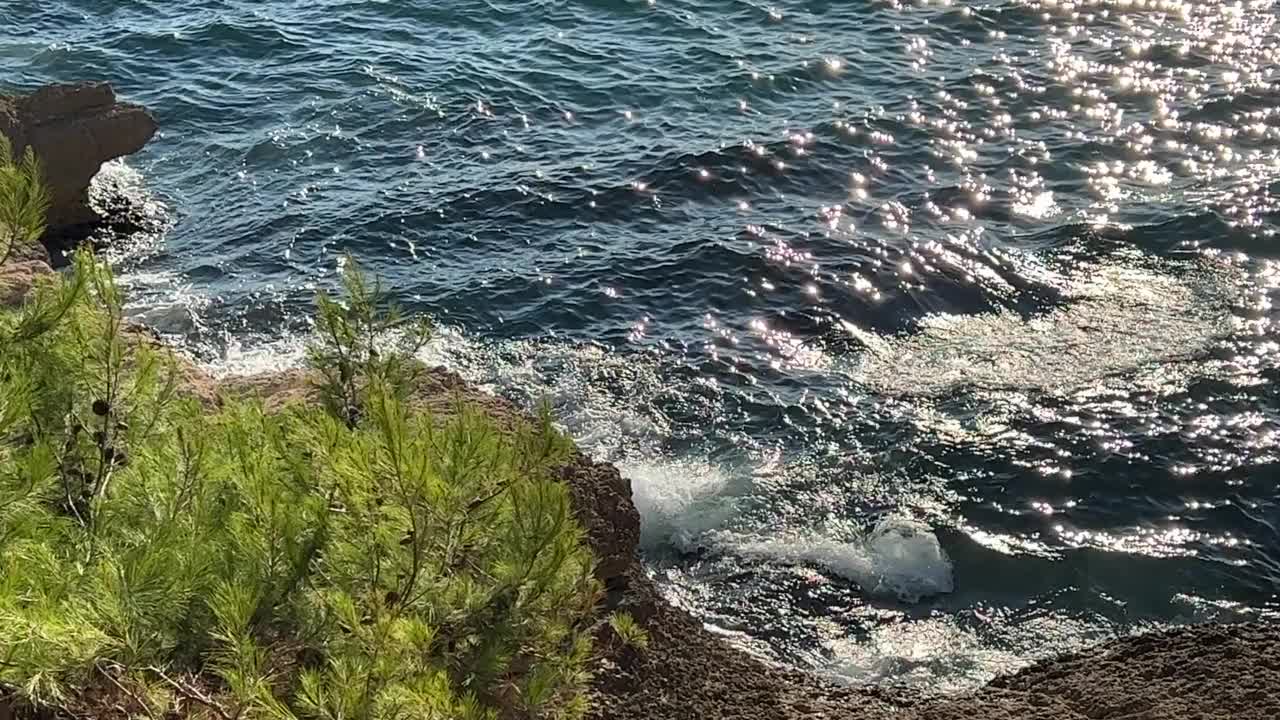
74, 129
1216, 671
1212, 671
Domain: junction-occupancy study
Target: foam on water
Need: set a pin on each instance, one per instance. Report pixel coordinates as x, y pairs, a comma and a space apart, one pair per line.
121, 192
240, 358
1116, 319
163, 301
686, 503
899, 558
941, 655
680, 501
602, 397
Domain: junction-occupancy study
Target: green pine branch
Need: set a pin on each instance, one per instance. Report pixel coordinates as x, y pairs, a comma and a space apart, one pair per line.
353, 560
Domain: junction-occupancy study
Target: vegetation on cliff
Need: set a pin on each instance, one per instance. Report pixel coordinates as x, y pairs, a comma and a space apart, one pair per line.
24, 199
351, 560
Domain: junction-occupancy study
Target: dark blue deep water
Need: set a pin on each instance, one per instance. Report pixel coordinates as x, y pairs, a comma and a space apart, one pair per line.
936, 336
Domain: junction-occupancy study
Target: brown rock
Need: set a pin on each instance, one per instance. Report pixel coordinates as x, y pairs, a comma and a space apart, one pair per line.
74, 129
192, 380
602, 502
27, 252
18, 278
1207, 671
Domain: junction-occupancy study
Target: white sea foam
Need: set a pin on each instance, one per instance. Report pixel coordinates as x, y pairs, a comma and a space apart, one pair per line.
240, 359
118, 180
163, 301
1116, 319
680, 502
900, 557
603, 398
687, 504
933, 655
937, 655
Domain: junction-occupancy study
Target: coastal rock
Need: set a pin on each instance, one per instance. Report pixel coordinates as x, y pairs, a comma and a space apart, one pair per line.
602, 502
74, 129
18, 278
1205, 671
24, 252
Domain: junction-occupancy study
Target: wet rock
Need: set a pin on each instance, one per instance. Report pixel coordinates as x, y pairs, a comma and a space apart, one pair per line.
602, 502
74, 129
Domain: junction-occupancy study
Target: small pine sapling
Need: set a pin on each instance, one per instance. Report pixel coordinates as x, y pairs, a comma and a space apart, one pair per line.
24, 200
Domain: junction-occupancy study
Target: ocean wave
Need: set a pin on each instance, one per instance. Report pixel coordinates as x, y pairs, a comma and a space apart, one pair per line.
899, 557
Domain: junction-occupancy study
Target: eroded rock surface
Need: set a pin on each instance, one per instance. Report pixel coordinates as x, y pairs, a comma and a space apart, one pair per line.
1206, 671
74, 129
18, 278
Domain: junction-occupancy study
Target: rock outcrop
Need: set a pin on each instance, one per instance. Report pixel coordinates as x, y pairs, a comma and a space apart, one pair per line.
74, 129
1230, 672
18, 278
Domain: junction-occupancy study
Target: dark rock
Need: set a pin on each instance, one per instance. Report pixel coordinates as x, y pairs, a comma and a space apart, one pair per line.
602, 502
74, 129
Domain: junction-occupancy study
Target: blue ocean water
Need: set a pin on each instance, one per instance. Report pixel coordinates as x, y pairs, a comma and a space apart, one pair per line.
935, 336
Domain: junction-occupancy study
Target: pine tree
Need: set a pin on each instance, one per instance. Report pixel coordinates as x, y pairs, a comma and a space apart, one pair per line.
24, 200
356, 559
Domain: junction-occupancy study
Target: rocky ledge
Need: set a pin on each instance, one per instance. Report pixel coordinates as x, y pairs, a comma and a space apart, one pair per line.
74, 129
688, 673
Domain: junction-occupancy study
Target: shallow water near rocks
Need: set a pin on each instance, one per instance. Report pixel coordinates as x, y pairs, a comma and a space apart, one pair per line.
936, 337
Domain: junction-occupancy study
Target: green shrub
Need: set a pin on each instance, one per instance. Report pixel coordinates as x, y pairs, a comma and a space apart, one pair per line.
24, 199
363, 341
629, 632
350, 560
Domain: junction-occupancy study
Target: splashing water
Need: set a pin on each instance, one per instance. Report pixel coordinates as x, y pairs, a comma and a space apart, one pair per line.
1113, 320
899, 558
